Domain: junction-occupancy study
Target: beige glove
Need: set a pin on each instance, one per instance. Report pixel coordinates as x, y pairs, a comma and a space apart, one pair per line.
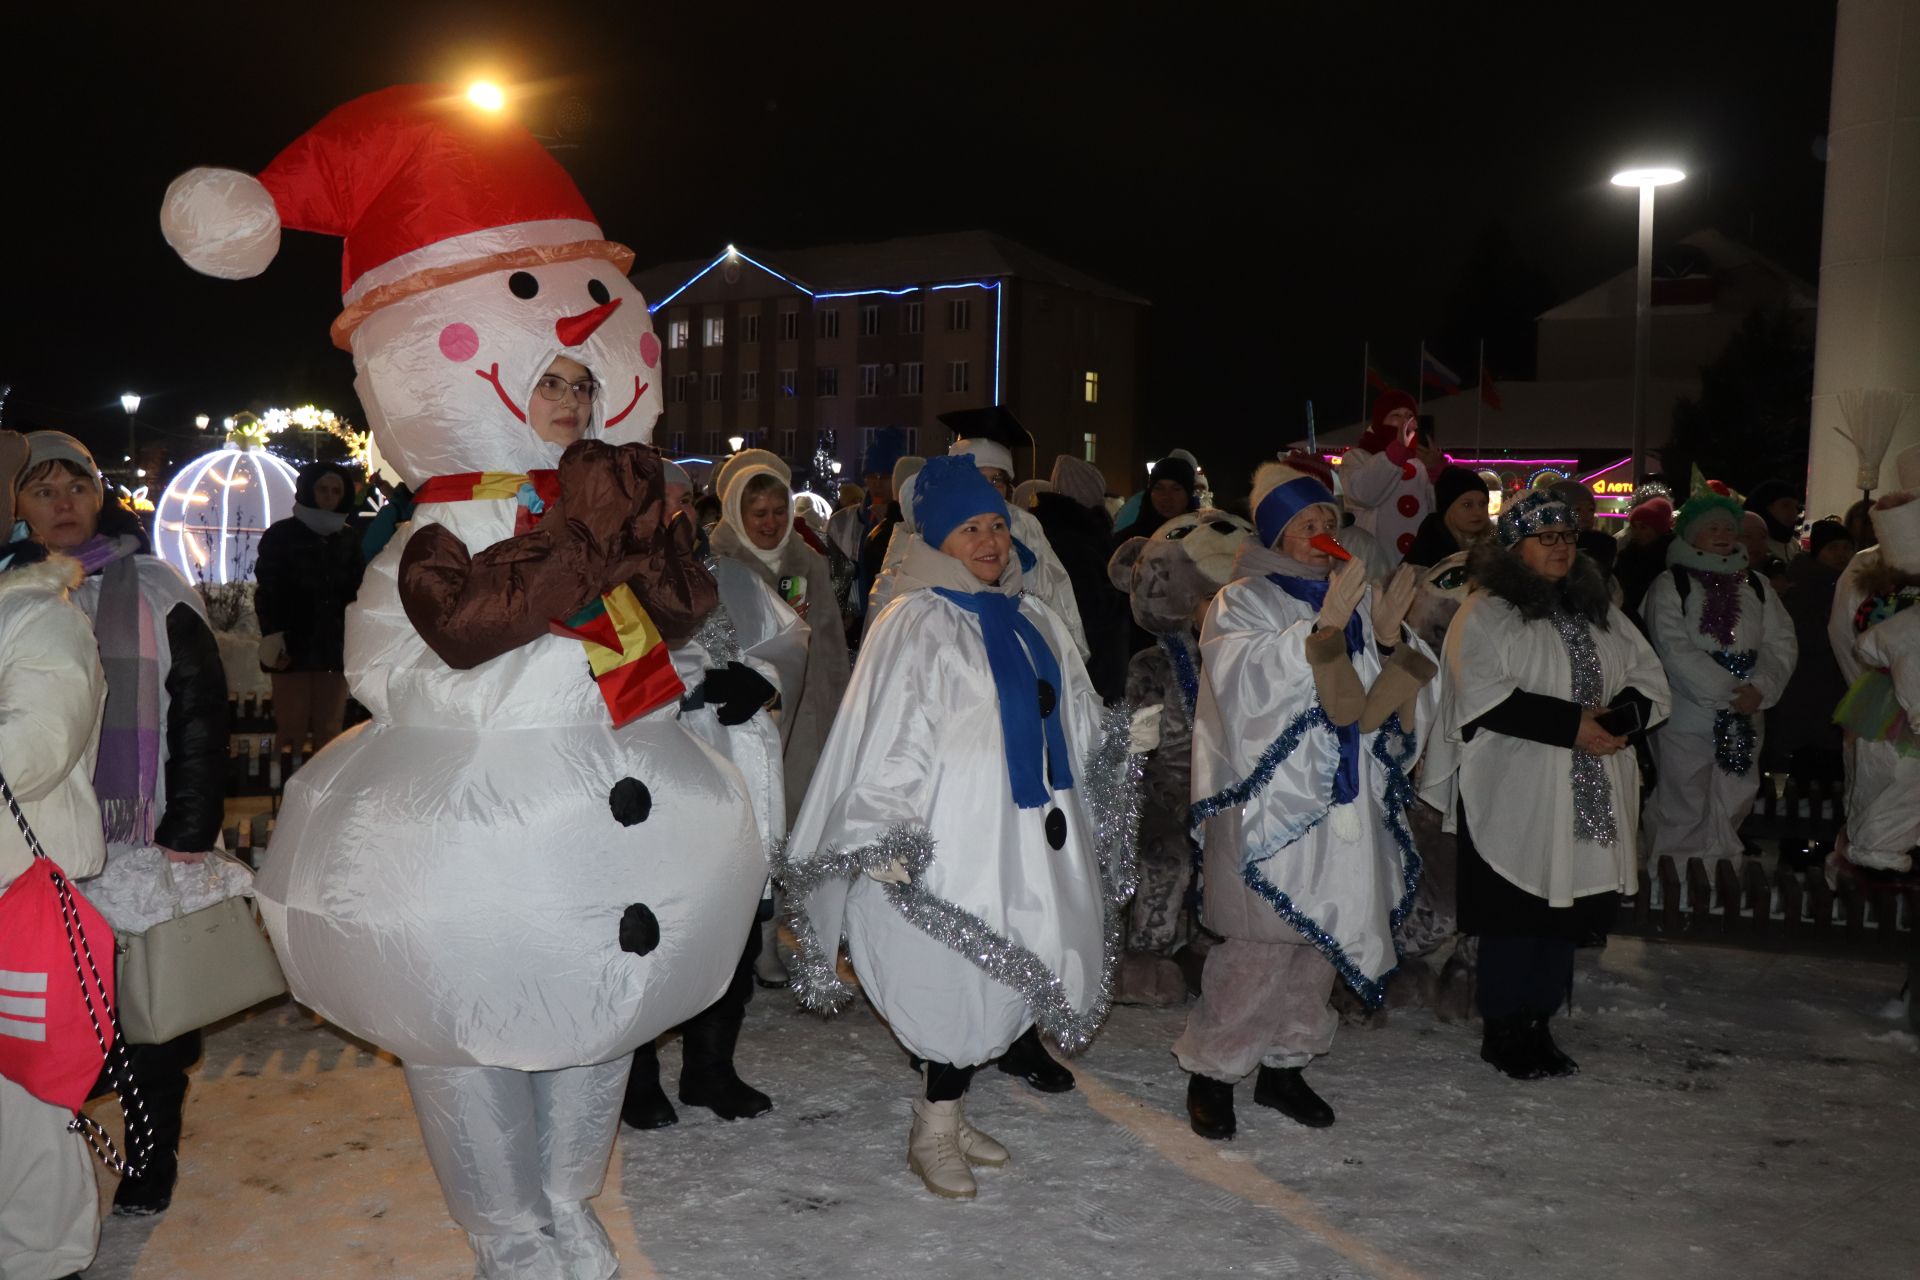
894, 872
1334, 678
1143, 733
273, 652
1405, 674
1344, 589
1391, 604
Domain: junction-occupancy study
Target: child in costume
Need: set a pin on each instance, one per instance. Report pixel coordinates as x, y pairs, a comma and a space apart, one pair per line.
970, 826
1728, 648
525, 865
1311, 692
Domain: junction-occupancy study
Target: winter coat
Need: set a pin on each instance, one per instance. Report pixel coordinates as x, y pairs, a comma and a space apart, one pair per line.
1080, 537
51, 697
1433, 543
306, 581
1803, 718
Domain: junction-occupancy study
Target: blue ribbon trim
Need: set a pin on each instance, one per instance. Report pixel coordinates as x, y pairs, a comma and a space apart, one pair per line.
1184, 671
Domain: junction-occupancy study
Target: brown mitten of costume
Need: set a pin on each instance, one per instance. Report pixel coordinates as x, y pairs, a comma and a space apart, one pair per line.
1405, 674
469, 608
1334, 678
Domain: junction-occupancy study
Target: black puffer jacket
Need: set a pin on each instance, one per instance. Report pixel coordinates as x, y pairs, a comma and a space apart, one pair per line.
306, 580
195, 784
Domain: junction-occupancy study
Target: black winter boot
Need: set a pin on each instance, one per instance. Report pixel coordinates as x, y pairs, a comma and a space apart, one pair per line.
160, 1073
1027, 1059
646, 1105
707, 1077
1507, 1045
1552, 1060
1286, 1090
1210, 1107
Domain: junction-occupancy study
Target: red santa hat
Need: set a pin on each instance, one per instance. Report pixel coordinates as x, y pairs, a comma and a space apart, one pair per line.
424, 189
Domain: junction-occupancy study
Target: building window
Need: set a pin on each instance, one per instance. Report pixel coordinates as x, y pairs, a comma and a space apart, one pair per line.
713, 386
870, 320
789, 383
789, 326
787, 445
1089, 439
679, 442
869, 379
1090, 387
912, 317
750, 385
826, 381
912, 377
716, 331
830, 323
913, 442
713, 442
677, 334
956, 375
959, 314
750, 327
677, 390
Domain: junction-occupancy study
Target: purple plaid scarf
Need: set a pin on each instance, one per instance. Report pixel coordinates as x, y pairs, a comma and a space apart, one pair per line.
127, 774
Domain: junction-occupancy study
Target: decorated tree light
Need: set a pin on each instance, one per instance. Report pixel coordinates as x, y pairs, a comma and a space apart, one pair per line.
208, 522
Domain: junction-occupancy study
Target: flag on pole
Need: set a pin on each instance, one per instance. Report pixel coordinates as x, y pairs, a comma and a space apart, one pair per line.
1437, 376
1488, 391
1377, 378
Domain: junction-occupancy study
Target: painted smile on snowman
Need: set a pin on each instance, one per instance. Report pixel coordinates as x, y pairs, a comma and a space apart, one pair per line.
460, 341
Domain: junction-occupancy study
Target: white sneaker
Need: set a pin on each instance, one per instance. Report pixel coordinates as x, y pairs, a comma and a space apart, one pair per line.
980, 1148
933, 1150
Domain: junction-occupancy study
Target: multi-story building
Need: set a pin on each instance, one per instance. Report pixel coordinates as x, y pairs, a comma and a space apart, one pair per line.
776, 347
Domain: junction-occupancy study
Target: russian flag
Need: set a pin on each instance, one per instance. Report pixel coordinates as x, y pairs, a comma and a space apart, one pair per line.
1437, 376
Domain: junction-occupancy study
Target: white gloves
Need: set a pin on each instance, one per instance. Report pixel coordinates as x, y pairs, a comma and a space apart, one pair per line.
894, 872
1143, 733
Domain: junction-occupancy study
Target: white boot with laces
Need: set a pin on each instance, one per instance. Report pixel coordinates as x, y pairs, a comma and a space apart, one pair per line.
979, 1147
933, 1149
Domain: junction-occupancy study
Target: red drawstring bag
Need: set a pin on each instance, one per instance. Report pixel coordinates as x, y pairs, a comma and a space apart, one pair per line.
57, 1024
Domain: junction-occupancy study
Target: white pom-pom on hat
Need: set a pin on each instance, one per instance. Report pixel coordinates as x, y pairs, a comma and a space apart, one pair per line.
221, 222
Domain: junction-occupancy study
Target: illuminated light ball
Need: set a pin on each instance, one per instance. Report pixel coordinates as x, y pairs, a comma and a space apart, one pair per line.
209, 521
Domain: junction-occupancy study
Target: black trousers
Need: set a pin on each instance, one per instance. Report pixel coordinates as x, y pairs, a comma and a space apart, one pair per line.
1520, 974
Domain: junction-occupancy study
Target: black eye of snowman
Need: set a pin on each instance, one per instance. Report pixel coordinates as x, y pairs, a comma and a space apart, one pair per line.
523, 284
598, 292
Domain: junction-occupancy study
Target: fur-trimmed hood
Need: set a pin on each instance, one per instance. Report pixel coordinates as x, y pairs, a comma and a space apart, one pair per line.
1504, 574
55, 575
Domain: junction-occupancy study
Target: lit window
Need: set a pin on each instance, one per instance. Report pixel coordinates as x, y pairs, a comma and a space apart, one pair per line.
869, 379
750, 385
677, 334
789, 382
789, 326
1089, 439
826, 381
960, 314
956, 375
830, 323
750, 327
1092, 387
870, 320
716, 331
912, 317
912, 376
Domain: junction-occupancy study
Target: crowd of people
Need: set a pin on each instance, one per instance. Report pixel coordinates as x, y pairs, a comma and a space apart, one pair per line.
1012, 751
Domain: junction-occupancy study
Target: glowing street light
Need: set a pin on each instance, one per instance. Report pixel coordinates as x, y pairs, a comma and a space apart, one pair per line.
131, 403
734, 442
486, 95
201, 421
1646, 179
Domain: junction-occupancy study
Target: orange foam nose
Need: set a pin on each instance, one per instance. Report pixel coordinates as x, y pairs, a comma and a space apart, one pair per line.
1324, 542
574, 330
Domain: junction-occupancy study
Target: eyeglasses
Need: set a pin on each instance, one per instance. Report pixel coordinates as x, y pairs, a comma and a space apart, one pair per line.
554, 387
1557, 537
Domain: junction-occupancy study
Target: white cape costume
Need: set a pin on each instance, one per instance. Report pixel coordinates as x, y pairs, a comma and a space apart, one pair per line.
999, 927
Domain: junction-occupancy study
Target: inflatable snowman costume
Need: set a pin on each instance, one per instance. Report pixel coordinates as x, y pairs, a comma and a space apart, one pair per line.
525, 865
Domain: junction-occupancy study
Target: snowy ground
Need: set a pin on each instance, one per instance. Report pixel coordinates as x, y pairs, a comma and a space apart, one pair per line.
1739, 1115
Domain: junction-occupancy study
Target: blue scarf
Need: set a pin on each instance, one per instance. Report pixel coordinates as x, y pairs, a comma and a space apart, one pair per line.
1313, 591
1018, 656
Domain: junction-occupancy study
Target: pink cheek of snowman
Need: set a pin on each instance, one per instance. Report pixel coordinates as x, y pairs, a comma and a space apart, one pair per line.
649, 349
459, 342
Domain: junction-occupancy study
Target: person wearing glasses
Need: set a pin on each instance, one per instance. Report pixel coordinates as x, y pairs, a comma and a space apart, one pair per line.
1547, 684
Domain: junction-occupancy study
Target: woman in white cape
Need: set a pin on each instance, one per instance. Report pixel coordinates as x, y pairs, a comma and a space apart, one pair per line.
1311, 692
970, 826
1542, 794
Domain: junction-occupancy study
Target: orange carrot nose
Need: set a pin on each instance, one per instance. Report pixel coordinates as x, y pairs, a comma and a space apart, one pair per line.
1324, 542
574, 330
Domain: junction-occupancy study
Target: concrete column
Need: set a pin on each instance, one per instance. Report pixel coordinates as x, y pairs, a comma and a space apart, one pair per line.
1869, 325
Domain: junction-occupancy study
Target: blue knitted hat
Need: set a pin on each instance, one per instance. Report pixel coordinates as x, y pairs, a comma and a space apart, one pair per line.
950, 491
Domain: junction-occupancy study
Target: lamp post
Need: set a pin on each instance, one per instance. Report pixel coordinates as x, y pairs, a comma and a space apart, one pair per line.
202, 421
1646, 180
131, 403
734, 442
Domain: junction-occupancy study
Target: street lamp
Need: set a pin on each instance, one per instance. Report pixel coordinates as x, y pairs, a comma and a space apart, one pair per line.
131, 403
201, 421
1646, 180
734, 442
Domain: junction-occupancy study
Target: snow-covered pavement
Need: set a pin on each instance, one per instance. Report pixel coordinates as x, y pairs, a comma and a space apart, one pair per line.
1739, 1115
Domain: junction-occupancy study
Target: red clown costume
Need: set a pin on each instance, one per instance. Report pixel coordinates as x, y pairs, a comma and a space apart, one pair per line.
1382, 483
526, 865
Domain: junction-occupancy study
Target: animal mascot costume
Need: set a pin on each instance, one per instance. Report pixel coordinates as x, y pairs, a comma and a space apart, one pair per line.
1170, 579
525, 865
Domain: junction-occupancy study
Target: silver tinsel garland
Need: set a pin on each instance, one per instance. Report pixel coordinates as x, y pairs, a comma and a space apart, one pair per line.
717, 637
1593, 817
1734, 738
1110, 785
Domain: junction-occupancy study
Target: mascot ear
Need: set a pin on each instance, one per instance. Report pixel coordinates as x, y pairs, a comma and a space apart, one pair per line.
1120, 567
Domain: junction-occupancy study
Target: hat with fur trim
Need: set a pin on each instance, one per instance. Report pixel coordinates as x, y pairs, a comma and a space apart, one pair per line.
1533, 513
1707, 505
1280, 493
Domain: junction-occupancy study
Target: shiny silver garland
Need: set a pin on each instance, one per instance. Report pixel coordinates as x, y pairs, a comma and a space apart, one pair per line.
1593, 817
1110, 784
717, 636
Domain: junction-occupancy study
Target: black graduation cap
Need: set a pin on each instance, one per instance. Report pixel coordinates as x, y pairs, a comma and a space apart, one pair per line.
995, 423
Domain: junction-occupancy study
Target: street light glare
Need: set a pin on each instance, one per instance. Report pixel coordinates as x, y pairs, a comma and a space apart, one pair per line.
201, 420
1654, 177
486, 95
130, 402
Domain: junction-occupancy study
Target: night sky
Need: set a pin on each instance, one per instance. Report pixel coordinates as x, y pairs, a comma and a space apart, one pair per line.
1283, 180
